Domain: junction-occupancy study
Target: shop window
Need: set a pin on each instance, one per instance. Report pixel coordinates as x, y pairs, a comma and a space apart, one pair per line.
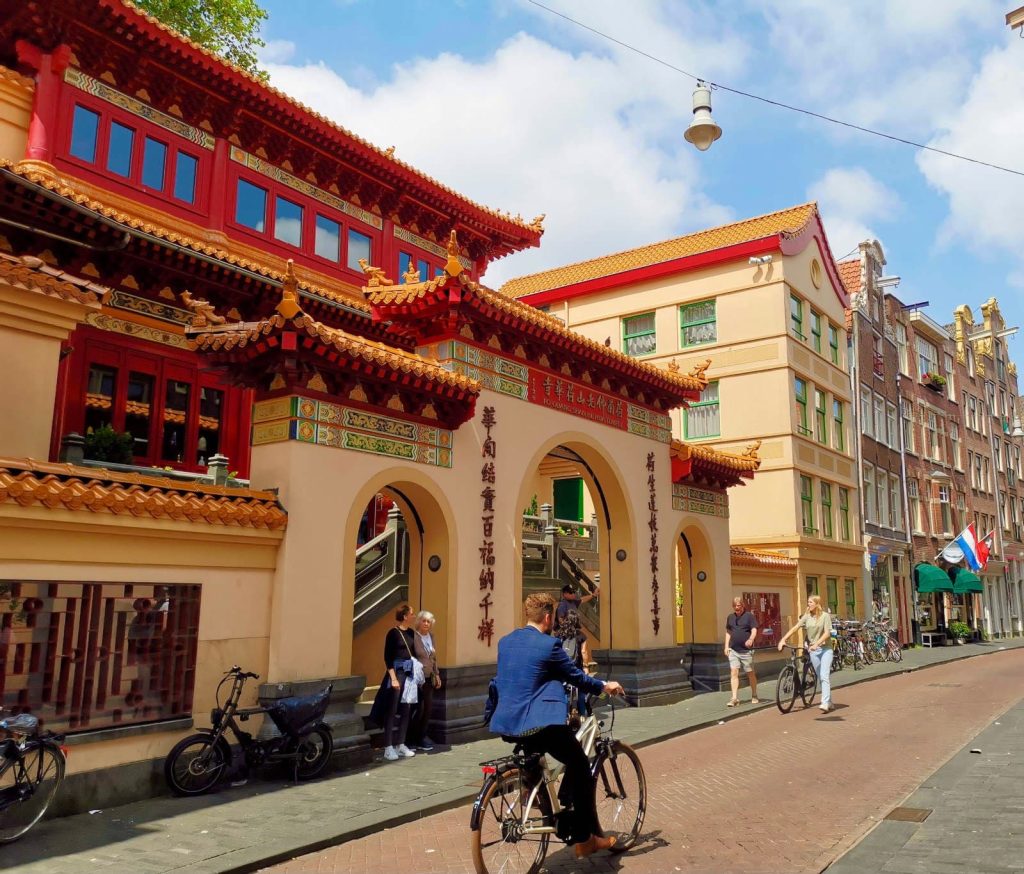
832, 594
811, 585
851, 597
698, 323
287, 222
138, 410
176, 420
638, 335
119, 149
251, 206
186, 170
85, 128
154, 164
359, 246
327, 242
702, 418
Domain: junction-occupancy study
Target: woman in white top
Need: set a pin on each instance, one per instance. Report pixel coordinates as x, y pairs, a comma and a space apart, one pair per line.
817, 628
423, 649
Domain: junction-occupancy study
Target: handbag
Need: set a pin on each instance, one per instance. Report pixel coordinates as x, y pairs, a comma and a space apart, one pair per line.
415, 678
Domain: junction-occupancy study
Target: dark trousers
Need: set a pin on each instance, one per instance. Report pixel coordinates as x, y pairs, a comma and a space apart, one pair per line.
393, 736
578, 786
421, 715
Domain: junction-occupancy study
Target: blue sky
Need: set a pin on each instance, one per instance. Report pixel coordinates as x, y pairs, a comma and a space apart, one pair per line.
525, 112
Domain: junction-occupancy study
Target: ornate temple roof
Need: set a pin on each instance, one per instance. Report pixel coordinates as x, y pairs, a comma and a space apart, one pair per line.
764, 559
695, 462
71, 487
781, 224
31, 274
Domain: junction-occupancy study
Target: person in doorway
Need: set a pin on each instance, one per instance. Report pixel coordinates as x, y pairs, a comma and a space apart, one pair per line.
426, 655
571, 602
531, 710
399, 689
740, 633
817, 628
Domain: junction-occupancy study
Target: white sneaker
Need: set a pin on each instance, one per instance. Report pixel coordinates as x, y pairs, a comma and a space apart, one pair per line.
824, 708
403, 750
390, 754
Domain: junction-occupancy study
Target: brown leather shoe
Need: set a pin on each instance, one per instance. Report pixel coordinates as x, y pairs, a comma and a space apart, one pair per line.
592, 845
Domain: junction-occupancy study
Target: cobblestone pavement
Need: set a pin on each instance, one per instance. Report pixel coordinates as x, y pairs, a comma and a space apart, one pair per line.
769, 793
241, 829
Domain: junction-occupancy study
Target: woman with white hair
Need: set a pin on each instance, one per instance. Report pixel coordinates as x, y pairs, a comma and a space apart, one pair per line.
423, 649
817, 627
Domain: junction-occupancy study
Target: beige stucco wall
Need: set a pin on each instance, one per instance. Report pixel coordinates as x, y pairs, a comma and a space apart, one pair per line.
15, 114
233, 566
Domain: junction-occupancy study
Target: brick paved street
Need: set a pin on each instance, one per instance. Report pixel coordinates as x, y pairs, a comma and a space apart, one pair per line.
765, 793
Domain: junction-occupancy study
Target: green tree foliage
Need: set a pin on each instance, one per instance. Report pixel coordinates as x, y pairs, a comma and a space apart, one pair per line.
230, 28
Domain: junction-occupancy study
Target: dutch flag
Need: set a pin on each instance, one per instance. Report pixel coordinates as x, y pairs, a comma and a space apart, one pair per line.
967, 547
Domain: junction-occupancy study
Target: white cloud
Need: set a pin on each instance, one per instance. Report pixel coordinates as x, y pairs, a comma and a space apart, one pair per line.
533, 129
277, 51
852, 201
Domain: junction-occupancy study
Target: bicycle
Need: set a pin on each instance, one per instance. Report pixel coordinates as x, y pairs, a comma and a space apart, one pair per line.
793, 682
198, 762
516, 811
31, 770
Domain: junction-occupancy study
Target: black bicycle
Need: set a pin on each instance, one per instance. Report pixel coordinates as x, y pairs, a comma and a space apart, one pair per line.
200, 761
31, 770
796, 678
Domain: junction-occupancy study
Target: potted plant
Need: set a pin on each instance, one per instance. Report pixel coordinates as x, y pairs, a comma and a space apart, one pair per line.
934, 381
106, 444
960, 631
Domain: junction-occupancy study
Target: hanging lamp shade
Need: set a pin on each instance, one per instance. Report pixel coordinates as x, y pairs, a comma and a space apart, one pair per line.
703, 130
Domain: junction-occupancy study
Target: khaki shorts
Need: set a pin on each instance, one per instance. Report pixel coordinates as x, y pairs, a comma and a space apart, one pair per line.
743, 660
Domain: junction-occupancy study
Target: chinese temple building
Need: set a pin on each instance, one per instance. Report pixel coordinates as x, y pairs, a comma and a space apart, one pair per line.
228, 327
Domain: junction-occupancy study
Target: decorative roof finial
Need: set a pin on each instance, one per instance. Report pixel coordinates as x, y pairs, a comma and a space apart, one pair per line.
289, 306
375, 274
538, 223
673, 365
390, 152
411, 275
699, 371
751, 450
453, 266
203, 313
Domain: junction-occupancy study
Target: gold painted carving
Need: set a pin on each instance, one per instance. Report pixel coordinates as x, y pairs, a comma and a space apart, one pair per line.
376, 275
699, 371
411, 275
453, 266
203, 313
288, 306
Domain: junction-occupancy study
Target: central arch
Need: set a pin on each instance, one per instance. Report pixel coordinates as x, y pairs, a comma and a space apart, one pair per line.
615, 525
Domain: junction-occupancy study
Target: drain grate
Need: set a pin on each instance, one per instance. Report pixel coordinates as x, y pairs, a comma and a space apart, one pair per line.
909, 814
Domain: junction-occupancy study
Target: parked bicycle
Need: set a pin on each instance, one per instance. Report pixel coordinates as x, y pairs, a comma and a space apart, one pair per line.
796, 678
31, 770
516, 811
200, 761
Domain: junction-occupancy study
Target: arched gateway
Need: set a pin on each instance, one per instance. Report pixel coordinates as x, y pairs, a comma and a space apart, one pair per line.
474, 401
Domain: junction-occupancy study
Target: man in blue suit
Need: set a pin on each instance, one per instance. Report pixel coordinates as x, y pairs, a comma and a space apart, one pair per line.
532, 710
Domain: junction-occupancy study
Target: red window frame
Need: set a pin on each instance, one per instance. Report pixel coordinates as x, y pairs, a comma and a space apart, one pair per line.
97, 170
90, 346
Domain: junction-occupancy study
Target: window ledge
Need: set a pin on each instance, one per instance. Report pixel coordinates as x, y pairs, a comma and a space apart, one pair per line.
118, 732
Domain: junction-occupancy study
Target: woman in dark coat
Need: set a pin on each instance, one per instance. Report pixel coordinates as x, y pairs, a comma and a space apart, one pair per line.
398, 664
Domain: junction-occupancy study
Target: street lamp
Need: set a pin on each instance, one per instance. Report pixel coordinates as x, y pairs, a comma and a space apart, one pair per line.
703, 130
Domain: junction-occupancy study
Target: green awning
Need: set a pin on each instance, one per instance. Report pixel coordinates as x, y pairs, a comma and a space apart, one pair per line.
931, 579
965, 582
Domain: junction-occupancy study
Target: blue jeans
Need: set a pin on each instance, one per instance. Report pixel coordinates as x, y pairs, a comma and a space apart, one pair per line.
822, 661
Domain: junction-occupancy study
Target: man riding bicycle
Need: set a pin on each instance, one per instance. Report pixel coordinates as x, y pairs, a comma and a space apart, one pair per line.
532, 709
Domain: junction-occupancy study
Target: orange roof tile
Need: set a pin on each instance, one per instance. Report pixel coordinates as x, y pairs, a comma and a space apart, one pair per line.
849, 273
784, 222
398, 295
740, 556
72, 487
31, 274
748, 462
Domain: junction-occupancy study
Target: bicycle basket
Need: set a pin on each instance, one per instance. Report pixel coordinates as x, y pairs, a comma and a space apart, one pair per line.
298, 715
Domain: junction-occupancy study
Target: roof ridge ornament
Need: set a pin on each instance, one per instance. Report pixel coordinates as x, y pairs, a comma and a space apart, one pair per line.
751, 450
412, 274
289, 306
453, 267
673, 365
203, 313
376, 275
699, 370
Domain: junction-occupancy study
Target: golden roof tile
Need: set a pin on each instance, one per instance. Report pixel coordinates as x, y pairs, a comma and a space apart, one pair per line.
72, 487
849, 273
388, 154
785, 222
748, 462
31, 274
740, 556
14, 76
399, 295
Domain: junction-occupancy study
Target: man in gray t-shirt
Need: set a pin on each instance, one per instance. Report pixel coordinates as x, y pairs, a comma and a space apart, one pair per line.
740, 632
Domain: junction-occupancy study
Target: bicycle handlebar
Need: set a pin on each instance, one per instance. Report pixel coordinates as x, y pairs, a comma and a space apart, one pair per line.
242, 675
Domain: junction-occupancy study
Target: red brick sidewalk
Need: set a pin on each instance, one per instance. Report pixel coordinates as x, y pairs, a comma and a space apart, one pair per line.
767, 793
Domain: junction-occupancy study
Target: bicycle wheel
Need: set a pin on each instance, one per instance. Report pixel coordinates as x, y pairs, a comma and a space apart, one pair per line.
858, 656
810, 686
27, 787
838, 656
621, 795
196, 764
895, 651
499, 844
785, 689
314, 753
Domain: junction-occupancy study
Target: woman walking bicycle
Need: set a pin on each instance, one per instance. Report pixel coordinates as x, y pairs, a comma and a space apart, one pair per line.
817, 628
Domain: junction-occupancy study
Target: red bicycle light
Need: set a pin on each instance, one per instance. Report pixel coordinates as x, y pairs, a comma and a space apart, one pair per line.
488, 769
65, 750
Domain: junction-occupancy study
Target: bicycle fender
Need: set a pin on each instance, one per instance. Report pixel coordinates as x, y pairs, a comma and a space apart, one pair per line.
477, 812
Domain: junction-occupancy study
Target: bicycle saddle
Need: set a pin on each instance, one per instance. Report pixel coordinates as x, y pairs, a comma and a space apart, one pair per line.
23, 723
